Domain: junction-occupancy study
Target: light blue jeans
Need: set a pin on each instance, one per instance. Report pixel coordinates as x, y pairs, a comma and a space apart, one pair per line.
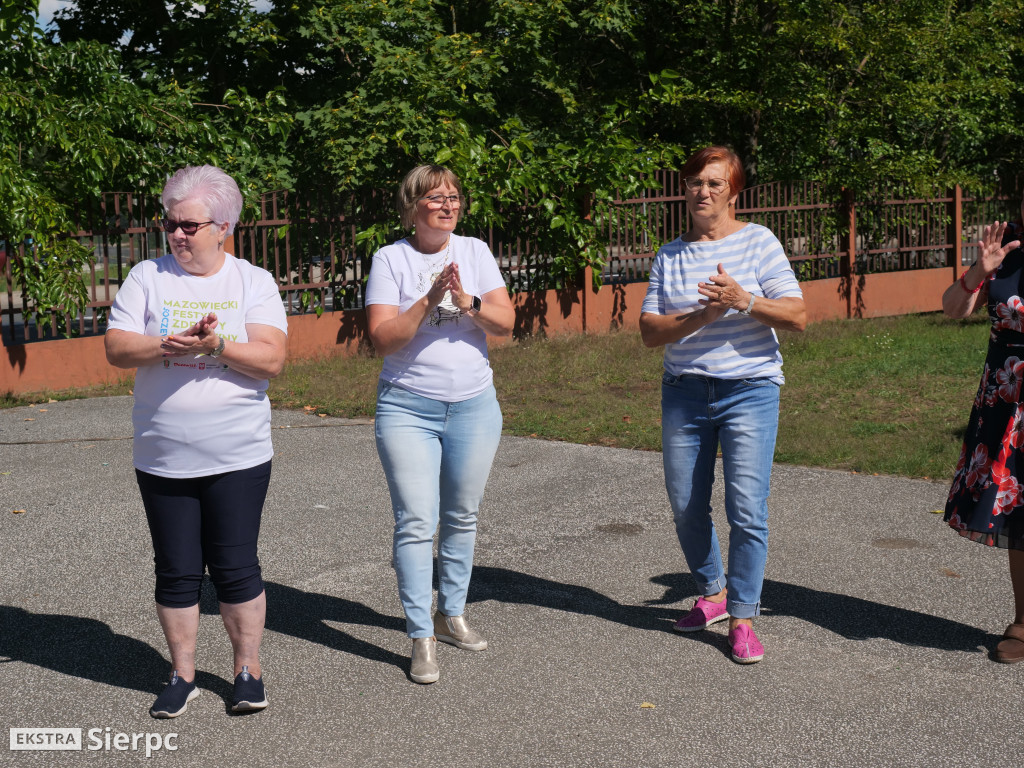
697, 414
436, 457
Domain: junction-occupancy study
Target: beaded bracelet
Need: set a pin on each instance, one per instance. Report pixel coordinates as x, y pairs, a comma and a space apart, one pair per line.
963, 284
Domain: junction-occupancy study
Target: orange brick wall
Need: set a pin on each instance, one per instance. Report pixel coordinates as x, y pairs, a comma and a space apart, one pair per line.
62, 364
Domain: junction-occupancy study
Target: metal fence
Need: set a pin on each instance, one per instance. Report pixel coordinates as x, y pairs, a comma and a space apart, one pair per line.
807, 224
120, 230
314, 247
890, 232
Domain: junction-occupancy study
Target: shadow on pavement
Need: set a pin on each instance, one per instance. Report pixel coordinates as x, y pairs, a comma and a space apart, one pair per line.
89, 649
301, 614
81, 647
503, 585
852, 617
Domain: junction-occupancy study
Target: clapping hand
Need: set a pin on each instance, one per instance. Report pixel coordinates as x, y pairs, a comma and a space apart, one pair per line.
721, 293
442, 284
195, 340
460, 298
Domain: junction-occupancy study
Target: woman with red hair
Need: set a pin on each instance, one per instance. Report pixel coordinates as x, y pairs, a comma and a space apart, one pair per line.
717, 293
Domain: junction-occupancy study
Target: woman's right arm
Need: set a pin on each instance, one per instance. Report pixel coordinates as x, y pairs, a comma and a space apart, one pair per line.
961, 297
127, 349
128, 346
391, 329
657, 330
958, 302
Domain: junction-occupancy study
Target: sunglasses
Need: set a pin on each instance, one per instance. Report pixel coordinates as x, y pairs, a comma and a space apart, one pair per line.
187, 227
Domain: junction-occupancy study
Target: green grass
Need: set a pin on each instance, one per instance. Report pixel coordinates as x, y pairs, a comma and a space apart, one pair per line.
890, 395
600, 390
887, 396
337, 386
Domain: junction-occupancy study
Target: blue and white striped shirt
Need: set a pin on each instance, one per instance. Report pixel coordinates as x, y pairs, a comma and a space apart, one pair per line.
735, 346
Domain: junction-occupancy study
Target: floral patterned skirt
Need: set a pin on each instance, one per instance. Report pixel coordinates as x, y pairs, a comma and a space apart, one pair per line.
986, 500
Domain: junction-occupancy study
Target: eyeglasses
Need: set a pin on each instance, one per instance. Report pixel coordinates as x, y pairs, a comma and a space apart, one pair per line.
187, 227
715, 186
439, 201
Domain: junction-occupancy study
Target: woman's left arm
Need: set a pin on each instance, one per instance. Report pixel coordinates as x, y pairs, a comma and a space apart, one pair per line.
787, 312
262, 356
496, 316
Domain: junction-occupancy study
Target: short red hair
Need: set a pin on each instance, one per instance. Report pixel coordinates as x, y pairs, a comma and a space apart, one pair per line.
703, 158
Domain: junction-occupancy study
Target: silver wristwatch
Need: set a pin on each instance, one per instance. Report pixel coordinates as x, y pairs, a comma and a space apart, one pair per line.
750, 306
219, 349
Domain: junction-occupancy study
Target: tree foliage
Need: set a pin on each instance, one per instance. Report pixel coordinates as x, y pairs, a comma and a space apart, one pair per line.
546, 110
73, 126
855, 93
847, 92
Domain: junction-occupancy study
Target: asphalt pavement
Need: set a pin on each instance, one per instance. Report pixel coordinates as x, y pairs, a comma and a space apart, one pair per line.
877, 619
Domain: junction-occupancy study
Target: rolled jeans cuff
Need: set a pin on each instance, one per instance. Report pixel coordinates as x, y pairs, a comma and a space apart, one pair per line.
742, 610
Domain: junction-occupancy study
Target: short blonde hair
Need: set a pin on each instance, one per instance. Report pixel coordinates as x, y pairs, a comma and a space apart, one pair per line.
416, 184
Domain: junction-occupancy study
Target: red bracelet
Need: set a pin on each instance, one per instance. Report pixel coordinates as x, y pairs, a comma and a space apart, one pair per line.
963, 284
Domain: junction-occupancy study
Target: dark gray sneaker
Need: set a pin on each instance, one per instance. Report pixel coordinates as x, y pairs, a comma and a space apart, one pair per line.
173, 700
249, 693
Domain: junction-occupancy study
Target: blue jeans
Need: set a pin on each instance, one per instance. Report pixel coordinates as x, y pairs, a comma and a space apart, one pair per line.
436, 457
698, 413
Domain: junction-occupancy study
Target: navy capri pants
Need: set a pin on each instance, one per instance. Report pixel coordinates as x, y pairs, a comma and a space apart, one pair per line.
205, 522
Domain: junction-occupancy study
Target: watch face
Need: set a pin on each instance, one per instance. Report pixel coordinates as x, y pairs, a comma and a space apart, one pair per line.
476, 303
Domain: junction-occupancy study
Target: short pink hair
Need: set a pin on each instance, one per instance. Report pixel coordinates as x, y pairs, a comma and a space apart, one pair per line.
210, 186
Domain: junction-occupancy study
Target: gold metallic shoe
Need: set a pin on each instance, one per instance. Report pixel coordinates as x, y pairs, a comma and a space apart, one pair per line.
424, 661
455, 631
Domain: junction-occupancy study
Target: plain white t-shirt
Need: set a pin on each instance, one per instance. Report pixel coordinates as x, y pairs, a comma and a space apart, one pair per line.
194, 416
447, 358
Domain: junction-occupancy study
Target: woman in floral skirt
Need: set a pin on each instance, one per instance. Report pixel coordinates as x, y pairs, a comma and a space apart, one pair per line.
986, 501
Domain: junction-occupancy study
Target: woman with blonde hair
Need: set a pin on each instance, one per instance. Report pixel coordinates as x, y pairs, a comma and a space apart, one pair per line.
432, 299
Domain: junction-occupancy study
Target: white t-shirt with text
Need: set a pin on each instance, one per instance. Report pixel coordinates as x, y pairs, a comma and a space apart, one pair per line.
194, 416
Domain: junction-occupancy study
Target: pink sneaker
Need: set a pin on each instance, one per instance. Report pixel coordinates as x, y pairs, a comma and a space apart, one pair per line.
746, 648
703, 614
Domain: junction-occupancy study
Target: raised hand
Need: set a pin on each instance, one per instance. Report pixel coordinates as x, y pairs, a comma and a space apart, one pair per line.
991, 248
